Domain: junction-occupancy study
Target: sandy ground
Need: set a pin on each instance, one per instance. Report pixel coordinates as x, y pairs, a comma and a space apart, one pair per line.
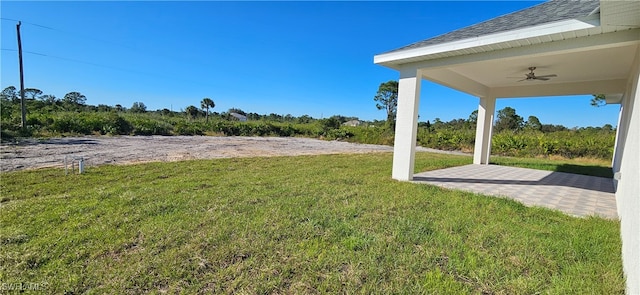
100, 150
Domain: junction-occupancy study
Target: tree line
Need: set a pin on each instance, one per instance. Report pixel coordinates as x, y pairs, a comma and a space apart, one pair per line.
386, 99
38, 102
49, 116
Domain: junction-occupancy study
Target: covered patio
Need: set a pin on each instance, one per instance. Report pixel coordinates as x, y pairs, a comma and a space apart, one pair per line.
557, 48
573, 194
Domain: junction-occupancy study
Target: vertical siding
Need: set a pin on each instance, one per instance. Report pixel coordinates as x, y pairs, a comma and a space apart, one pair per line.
620, 13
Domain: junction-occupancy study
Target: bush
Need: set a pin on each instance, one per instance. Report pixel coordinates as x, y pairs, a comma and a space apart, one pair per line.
187, 129
69, 123
371, 135
148, 125
446, 139
116, 125
568, 144
338, 134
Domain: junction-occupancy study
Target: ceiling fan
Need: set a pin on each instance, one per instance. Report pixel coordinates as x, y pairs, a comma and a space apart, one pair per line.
532, 76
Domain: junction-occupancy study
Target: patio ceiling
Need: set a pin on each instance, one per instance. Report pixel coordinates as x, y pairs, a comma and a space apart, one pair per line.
591, 65
595, 71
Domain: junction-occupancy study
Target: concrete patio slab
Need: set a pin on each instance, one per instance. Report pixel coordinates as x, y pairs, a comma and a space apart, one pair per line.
574, 194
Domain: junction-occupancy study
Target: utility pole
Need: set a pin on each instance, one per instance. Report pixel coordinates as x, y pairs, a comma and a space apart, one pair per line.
22, 103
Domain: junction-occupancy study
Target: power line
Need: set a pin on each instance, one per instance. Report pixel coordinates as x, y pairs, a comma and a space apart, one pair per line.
76, 60
71, 33
101, 65
64, 58
181, 60
37, 25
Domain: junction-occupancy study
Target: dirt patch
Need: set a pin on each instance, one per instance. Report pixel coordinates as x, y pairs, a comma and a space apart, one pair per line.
100, 150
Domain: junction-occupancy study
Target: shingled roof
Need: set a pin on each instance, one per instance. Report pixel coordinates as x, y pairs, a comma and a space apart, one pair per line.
552, 11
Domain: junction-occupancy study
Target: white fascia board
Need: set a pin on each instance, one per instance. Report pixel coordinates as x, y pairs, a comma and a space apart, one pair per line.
530, 32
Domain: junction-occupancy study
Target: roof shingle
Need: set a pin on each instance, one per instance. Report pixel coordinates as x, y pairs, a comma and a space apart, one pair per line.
552, 11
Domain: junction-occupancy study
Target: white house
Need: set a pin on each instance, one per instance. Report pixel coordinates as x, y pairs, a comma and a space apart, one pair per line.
352, 123
239, 117
560, 47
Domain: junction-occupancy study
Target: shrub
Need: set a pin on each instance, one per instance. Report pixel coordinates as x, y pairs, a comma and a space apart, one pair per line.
116, 125
145, 125
338, 134
187, 129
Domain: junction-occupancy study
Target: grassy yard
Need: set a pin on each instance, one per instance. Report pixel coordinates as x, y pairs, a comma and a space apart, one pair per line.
299, 225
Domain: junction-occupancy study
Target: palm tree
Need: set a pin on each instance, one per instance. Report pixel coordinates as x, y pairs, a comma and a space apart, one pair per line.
207, 103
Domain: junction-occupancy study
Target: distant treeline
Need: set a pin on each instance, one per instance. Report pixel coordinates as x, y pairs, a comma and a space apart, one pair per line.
48, 116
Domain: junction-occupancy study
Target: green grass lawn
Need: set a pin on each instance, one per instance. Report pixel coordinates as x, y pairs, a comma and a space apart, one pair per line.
298, 225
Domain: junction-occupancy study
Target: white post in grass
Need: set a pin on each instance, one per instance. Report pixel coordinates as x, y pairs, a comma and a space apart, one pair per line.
404, 147
484, 129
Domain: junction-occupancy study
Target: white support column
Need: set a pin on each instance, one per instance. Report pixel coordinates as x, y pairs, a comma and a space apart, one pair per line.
484, 129
404, 148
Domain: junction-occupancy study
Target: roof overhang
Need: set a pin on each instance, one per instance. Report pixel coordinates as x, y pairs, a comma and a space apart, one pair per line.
586, 57
549, 32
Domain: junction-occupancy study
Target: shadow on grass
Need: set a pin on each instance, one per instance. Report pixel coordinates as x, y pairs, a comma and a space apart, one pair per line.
582, 169
585, 170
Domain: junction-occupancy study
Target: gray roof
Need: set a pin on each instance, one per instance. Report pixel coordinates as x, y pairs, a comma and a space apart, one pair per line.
552, 11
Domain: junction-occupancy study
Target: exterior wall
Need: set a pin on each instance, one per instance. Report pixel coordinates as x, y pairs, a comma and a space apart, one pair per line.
627, 169
623, 14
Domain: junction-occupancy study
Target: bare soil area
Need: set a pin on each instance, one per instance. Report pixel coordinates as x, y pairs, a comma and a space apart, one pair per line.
100, 150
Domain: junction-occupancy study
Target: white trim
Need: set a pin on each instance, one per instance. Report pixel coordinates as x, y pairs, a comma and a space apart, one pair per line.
519, 34
580, 44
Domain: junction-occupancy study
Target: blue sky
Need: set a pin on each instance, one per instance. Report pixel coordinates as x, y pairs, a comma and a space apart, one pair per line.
296, 58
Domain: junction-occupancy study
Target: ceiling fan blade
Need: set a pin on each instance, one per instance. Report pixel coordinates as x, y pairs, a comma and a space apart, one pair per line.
525, 79
547, 76
542, 78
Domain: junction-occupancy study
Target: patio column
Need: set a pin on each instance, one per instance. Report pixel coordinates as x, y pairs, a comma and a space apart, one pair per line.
484, 129
404, 147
